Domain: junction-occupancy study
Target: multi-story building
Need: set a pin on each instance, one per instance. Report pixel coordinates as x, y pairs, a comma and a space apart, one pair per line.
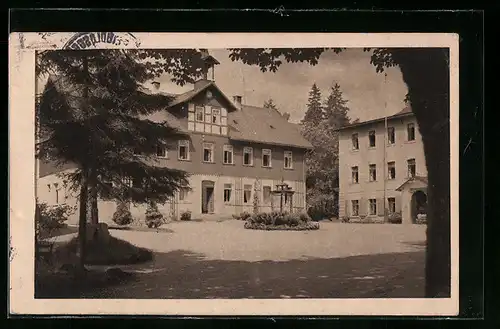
232, 151
382, 169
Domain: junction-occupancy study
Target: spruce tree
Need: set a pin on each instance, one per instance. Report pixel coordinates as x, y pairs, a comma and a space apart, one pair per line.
314, 113
336, 109
93, 113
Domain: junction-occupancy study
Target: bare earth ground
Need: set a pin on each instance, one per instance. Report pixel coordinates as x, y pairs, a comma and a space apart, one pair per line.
224, 260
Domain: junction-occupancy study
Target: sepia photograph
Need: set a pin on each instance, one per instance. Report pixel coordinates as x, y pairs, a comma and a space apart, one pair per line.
242, 173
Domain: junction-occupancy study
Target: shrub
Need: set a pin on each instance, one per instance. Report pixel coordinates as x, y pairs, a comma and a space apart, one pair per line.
322, 206
300, 227
50, 218
293, 219
304, 217
275, 218
281, 221
154, 218
186, 215
345, 219
395, 218
242, 216
122, 215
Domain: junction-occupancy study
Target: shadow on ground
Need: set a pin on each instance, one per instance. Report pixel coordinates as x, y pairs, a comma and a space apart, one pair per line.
184, 275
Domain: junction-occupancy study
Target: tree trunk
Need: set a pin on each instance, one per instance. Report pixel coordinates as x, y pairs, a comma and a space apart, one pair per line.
94, 212
426, 73
82, 222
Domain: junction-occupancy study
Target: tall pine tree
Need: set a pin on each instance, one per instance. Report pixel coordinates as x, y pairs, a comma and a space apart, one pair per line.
322, 160
314, 112
94, 113
335, 108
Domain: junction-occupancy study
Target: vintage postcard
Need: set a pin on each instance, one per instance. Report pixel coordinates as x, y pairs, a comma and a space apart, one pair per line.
233, 174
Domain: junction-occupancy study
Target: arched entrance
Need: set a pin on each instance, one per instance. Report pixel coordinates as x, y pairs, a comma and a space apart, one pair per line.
418, 204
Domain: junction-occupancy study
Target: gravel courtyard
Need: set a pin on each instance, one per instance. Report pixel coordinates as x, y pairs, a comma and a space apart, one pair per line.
224, 260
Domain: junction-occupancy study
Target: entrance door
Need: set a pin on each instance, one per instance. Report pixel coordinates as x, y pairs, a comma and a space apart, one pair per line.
207, 197
418, 204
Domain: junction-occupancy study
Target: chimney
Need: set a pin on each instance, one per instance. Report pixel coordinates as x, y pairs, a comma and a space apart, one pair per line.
237, 99
156, 85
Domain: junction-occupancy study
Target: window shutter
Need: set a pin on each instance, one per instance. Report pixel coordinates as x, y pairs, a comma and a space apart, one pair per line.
363, 207
380, 207
347, 212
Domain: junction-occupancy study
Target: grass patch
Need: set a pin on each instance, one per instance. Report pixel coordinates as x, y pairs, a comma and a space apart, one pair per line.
112, 252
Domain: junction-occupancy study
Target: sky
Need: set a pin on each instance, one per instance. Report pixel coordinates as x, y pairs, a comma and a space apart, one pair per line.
366, 91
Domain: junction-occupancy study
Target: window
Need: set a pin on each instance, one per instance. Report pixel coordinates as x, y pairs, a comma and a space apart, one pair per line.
355, 142
371, 138
216, 116
412, 168
247, 193
392, 205
266, 191
208, 152
228, 154
248, 156
373, 173
373, 207
355, 175
266, 158
391, 168
355, 207
183, 150
183, 193
288, 160
411, 132
227, 192
391, 136
200, 111
161, 151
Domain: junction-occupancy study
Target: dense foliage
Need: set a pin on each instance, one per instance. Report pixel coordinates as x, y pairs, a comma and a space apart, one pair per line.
154, 218
122, 215
276, 220
51, 218
319, 127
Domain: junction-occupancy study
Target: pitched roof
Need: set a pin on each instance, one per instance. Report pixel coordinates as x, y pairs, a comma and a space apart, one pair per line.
406, 112
201, 86
262, 125
412, 179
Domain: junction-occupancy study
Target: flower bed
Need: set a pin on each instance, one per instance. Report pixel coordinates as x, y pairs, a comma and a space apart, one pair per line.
281, 221
302, 227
